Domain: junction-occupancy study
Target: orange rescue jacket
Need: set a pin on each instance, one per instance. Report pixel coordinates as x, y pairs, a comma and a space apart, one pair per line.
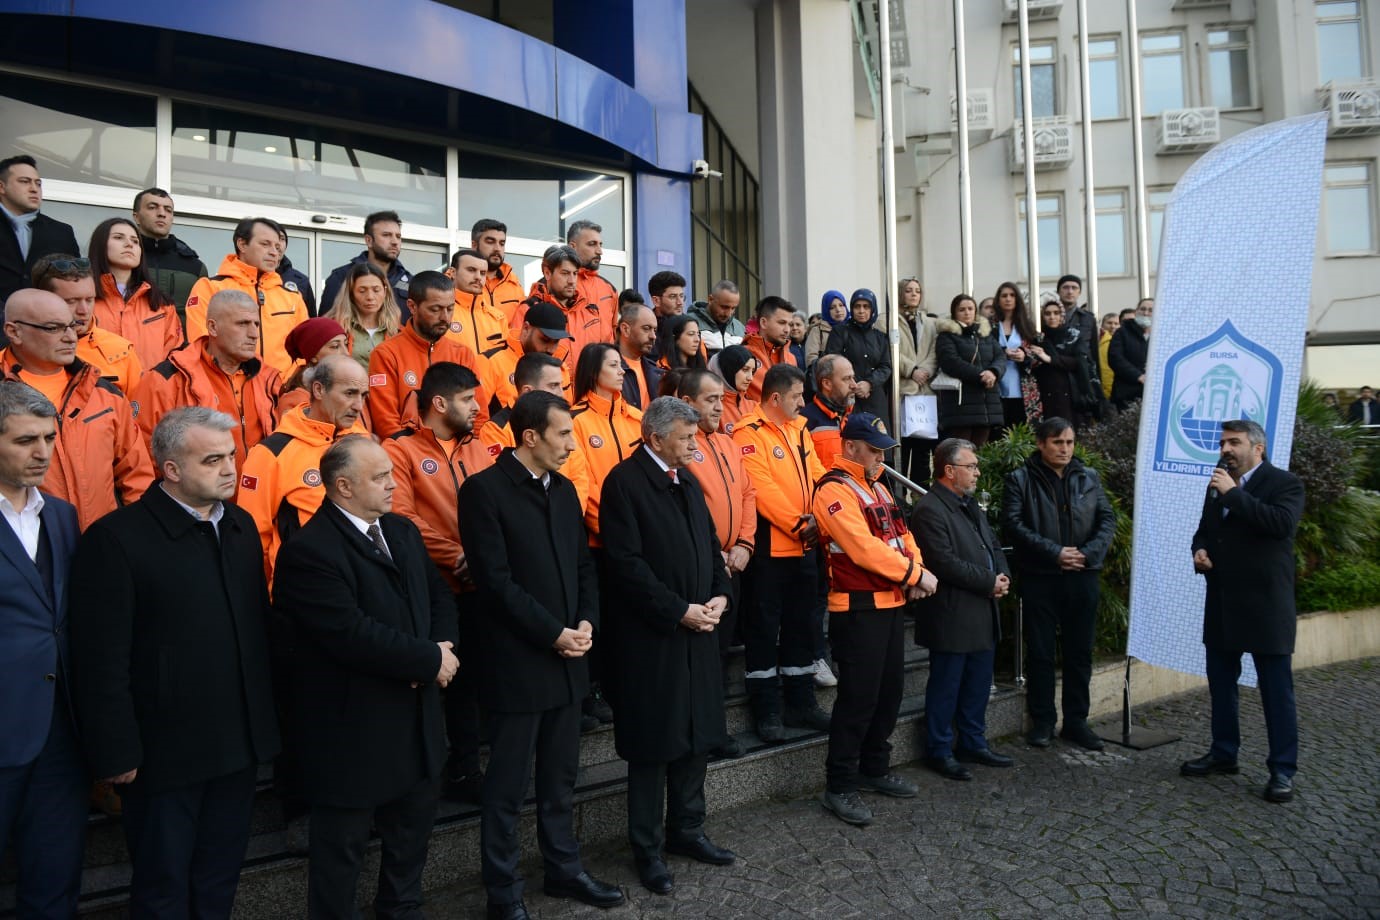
153, 331
583, 321
281, 307
395, 374
497, 372
477, 324
782, 465
736, 408
607, 431
113, 356
871, 554
729, 493
766, 357
594, 288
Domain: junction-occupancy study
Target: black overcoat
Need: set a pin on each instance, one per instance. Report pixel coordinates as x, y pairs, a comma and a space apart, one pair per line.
1250, 590
529, 555
965, 352
1126, 356
367, 629
954, 543
662, 555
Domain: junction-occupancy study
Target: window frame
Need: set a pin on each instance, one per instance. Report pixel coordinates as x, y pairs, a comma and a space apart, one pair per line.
1251, 78
1361, 37
1124, 210
1153, 208
1182, 52
1053, 64
1060, 213
1115, 58
1369, 186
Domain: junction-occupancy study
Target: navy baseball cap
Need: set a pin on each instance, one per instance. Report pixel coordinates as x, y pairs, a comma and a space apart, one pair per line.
864, 426
548, 319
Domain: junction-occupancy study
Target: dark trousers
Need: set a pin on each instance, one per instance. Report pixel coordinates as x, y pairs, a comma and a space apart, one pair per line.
956, 695
679, 786
462, 702
869, 652
187, 845
287, 766
728, 623
553, 737
1276, 678
778, 630
821, 609
43, 808
339, 837
1012, 412
979, 436
915, 458
1065, 605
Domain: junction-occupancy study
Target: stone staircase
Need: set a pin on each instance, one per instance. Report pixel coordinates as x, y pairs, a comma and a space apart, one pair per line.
273, 883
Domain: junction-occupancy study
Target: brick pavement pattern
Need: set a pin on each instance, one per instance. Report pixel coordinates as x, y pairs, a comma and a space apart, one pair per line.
1064, 833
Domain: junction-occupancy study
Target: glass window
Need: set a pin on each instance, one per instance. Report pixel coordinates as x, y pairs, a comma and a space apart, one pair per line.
1162, 72
83, 218
1155, 201
537, 200
1349, 208
80, 134
240, 157
1229, 68
1341, 42
1104, 76
1113, 252
1042, 78
724, 220
1050, 225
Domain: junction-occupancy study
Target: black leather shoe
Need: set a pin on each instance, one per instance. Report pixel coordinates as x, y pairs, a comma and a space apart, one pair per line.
1081, 734
595, 705
655, 877
948, 767
514, 911
729, 750
814, 718
701, 849
1041, 735
465, 789
1207, 764
1280, 788
586, 889
987, 757
770, 729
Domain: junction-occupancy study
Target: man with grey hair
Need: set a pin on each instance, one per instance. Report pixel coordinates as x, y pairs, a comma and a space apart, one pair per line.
43, 783
719, 327
586, 238
667, 589
170, 662
636, 340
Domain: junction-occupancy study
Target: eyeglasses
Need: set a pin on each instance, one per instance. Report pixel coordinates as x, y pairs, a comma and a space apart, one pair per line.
70, 265
50, 328
967, 466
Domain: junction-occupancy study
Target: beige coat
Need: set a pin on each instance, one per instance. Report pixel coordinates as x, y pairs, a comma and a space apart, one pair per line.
922, 357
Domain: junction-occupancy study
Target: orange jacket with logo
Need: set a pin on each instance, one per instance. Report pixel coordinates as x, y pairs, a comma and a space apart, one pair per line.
501, 295
477, 324
782, 465
594, 288
766, 357
583, 321
844, 530
280, 482
152, 332
428, 489
99, 461
191, 377
826, 428
497, 371
113, 356
607, 431
280, 308
395, 374
736, 408
732, 498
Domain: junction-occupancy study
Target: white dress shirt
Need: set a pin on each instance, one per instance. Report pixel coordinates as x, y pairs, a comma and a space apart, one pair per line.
25, 521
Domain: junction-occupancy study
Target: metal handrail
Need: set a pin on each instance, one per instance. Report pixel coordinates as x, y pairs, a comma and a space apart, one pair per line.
912, 486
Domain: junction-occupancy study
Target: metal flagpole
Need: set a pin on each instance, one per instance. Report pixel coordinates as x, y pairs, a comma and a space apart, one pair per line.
1032, 210
965, 181
1089, 189
890, 305
1138, 153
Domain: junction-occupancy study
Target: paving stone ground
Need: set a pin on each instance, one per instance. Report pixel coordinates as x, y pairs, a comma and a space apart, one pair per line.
1065, 833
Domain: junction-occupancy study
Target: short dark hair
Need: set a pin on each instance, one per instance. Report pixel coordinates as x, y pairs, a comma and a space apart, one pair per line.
18, 398
692, 382
670, 381
558, 254
380, 216
532, 412
244, 230
425, 282
587, 367
153, 191
339, 457
462, 253
45, 271
444, 379
1051, 427
580, 226
658, 283
781, 378
771, 303
22, 160
958, 299
1251, 429
946, 454
527, 371
485, 224
1129, 311
627, 296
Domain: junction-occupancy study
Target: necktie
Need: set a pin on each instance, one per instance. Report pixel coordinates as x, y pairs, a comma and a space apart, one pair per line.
675, 480
376, 535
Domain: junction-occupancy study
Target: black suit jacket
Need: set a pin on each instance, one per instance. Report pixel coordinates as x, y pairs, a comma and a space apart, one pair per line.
169, 646
367, 629
956, 545
529, 555
661, 555
1250, 589
49, 237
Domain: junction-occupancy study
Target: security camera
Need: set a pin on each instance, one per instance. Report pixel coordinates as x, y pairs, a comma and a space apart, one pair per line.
700, 170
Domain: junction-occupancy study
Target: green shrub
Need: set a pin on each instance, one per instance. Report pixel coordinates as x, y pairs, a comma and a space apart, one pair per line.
1346, 586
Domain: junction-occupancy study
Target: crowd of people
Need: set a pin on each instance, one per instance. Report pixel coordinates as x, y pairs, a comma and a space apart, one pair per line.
361, 539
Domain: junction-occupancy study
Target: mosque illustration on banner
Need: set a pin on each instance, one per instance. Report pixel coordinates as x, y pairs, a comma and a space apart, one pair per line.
1219, 377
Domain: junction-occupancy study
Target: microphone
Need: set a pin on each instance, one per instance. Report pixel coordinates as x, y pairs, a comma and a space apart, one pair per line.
1212, 490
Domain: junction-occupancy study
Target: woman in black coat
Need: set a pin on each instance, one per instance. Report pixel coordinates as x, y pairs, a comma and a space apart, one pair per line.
1058, 366
968, 351
1127, 354
868, 350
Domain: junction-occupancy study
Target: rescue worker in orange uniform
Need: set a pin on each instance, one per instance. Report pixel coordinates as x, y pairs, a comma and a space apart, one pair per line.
220, 371
782, 579
586, 238
113, 356
430, 462
474, 321
636, 339
253, 268
827, 411
736, 366
543, 331
396, 366
128, 303
99, 458
874, 569
559, 285
502, 289
770, 345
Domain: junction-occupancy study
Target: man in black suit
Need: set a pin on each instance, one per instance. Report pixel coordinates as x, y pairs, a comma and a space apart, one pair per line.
375, 628
668, 588
1365, 410
26, 235
523, 531
1244, 547
171, 671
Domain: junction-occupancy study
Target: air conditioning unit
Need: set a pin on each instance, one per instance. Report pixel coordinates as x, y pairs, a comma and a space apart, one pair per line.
1053, 143
1035, 9
981, 110
1187, 130
1200, 4
1353, 107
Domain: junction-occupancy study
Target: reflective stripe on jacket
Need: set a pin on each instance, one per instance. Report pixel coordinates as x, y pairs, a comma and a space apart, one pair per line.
871, 554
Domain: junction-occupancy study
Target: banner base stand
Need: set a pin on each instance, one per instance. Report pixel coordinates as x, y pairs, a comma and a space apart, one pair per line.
1137, 739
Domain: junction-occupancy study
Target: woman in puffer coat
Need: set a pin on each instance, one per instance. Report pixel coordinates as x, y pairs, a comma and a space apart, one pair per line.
868, 350
969, 352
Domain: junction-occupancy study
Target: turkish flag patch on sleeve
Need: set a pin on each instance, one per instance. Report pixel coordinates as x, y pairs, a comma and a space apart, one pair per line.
250, 483
378, 380
835, 507
749, 449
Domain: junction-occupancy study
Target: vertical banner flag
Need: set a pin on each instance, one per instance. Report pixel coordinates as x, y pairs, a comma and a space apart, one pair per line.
1231, 310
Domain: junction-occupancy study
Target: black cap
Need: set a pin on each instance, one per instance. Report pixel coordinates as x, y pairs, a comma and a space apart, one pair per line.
548, 319
1074, 278
864, 426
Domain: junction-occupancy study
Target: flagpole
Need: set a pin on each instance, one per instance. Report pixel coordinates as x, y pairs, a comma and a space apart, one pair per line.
1138, 153
889, 305
1089, 188
965, 181
1032, 209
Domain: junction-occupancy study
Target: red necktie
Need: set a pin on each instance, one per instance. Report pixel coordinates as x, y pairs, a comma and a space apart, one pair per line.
674, 479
